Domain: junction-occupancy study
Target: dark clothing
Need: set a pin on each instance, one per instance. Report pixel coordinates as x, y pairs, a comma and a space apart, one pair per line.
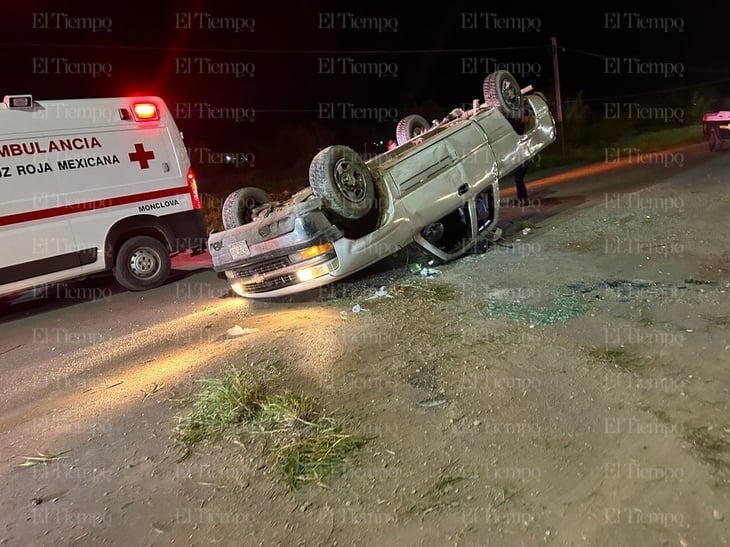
519, 175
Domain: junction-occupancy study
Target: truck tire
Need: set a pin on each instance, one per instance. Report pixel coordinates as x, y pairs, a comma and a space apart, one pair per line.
238, 206
141, 263
409, 127
339, 176
502, 91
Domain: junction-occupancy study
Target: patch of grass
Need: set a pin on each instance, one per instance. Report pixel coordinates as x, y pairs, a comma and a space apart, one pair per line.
321, 451
428, 291
436, 497
307, 444
645, 317
283, 411
220, 403
652, 141
660, 415
617, 358
645, 141
701, 438
711, 449
717, 320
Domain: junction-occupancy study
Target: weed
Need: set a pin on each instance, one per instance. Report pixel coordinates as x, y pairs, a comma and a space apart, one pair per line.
308, 445
617, 357
222, 402
428, 291
717, 320
711, 449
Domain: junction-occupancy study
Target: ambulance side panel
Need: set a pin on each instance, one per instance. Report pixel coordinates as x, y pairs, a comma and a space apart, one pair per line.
150, 185
71, 197
29, 247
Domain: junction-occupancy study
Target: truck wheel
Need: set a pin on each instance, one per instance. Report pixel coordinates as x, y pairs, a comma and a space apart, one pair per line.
502, 91
238, 206
714, 141
409, 127
339, 176
142, 263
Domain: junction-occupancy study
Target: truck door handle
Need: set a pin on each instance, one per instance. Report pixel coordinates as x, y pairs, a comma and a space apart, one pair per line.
463, 189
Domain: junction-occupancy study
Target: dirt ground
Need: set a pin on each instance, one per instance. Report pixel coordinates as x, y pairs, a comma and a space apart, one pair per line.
568, 387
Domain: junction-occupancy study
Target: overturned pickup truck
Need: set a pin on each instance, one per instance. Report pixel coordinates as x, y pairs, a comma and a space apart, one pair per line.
439, 188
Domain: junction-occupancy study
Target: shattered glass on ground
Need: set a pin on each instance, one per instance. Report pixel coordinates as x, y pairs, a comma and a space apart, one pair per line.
567, 305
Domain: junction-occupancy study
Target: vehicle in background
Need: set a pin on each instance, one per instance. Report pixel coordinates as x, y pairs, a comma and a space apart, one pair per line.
716, 125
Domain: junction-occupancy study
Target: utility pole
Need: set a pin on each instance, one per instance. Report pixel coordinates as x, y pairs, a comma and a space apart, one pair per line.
558, 100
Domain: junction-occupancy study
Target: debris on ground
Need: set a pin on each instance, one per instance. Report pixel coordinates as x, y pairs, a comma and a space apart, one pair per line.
154, 389
565, 306
429, 272
382, 292
432, 403
42, 458
238, 330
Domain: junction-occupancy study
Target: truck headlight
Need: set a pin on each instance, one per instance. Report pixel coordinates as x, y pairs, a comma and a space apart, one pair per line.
238, 289
315, 271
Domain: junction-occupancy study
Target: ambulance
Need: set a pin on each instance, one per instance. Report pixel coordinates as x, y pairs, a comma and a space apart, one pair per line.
93, 185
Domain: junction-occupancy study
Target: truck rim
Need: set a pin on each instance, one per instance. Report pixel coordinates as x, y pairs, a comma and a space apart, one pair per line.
350, 180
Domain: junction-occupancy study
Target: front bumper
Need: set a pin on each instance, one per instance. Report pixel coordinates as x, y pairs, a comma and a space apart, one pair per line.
290, 247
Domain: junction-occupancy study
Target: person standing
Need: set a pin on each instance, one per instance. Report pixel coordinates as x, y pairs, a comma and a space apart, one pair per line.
519, 176
519, 124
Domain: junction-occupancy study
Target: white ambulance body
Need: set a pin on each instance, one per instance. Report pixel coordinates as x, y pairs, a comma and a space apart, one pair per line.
89, 185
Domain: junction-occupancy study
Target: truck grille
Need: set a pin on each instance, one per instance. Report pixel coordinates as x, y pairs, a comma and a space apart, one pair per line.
262, 267
271, 284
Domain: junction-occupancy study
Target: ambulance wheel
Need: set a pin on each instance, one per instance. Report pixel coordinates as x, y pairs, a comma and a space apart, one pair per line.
142, 263
339, 176
239, 205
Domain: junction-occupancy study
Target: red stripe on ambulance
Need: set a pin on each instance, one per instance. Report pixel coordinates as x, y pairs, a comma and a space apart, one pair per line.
91, 205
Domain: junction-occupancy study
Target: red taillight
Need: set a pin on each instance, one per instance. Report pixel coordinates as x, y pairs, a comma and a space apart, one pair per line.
145, 111
193, 186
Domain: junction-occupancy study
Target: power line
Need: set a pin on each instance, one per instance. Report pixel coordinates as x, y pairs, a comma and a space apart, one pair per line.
272, 51
643, 93
685, 68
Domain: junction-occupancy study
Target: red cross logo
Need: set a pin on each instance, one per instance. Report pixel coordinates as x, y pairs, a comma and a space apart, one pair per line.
142, 156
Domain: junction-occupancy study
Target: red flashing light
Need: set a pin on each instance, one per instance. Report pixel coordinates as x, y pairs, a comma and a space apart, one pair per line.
145, 111
193, 186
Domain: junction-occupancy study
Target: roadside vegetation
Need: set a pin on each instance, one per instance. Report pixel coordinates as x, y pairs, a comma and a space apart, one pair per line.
303, 443
610, 150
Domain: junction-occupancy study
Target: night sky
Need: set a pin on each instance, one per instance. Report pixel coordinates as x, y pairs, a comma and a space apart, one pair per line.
274, 66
